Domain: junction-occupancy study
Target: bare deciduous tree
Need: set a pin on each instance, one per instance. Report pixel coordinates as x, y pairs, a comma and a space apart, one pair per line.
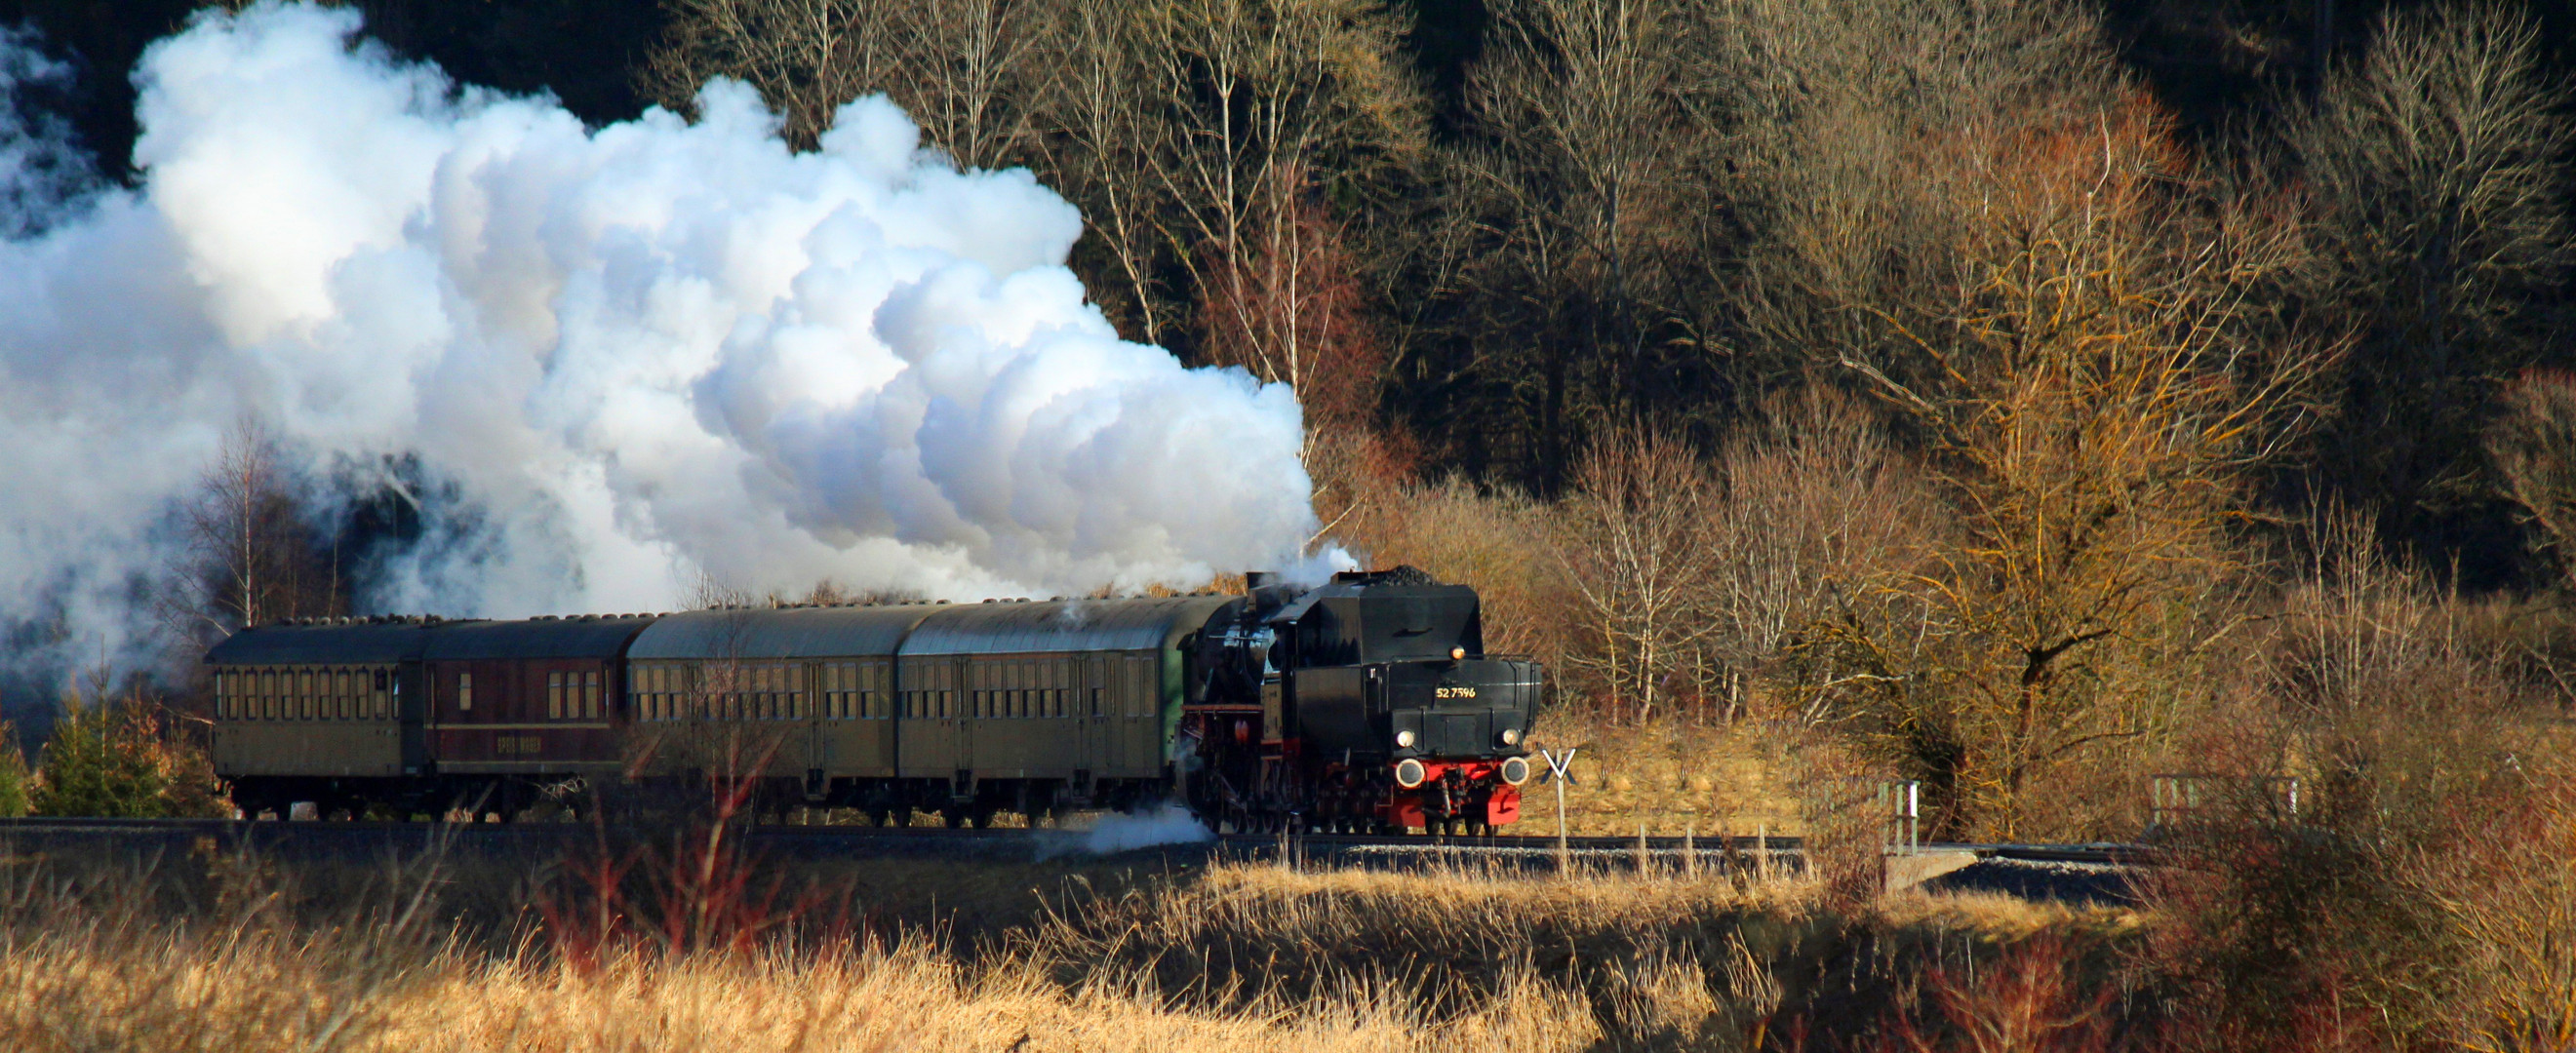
1101, 139
1582, 188
2434, 176
249, 556
1846, 128
1638, 557
1817, 507
1266, 104
961, 68
2094, 409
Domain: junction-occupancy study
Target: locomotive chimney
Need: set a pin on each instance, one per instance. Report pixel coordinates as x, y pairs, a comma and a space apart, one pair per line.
1253, 580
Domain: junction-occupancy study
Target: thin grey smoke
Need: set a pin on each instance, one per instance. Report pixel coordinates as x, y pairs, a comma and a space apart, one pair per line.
629, 355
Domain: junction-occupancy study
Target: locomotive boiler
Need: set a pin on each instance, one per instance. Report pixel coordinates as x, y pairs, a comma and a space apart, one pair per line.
1366, 703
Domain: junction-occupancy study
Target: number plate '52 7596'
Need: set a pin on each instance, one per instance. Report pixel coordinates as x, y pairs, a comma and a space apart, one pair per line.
1454, 692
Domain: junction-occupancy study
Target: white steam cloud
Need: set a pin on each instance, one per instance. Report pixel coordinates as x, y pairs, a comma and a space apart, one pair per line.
1115, 832
621, 357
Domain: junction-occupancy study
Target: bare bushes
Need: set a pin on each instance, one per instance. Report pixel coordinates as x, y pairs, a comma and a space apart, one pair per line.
1695, 579
2533, 446
2359, 909
2510, 888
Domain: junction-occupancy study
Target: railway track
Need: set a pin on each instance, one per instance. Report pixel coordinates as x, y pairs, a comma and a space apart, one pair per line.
861, 841
850, 840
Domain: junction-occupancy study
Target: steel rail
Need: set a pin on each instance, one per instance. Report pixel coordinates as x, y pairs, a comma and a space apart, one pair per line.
859, 837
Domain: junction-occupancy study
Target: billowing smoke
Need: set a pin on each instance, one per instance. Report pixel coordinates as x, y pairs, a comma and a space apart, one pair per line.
613, 360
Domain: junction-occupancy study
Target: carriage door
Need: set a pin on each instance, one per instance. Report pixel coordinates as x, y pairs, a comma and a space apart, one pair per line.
929, 690
806, 696
1136, 700
411, 707
1089, 707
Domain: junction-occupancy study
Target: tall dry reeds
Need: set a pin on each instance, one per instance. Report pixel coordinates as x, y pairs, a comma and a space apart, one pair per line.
232, 952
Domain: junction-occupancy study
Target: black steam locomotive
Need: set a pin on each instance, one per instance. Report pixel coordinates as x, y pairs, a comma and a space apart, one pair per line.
1364, 704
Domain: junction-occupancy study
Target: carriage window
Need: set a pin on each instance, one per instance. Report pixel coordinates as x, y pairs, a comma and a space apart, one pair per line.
465, 692
554, 696
590, 696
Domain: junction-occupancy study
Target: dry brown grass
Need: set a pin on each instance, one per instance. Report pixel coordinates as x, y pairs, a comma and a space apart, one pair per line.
1673, 776
1234, 956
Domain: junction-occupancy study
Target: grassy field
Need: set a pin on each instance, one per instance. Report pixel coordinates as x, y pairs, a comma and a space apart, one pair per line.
233, 953
1673, 777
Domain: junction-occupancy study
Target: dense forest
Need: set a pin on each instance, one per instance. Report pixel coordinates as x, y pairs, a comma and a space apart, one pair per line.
2007, 387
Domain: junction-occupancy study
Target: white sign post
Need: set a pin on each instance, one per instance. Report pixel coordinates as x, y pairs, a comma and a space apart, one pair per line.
1559, 771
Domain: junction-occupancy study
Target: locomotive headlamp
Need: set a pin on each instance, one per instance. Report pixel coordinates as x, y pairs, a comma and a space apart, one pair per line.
1404, 738
1457, 654
1511, 736
1516, 770
1409, 773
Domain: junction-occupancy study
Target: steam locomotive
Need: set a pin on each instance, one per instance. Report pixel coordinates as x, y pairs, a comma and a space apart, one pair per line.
1365, 704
